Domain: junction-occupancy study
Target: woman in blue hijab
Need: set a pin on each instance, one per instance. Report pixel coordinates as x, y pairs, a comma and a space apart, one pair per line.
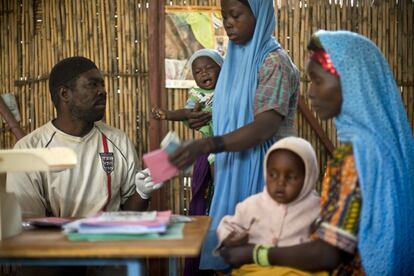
254, 105
366, 222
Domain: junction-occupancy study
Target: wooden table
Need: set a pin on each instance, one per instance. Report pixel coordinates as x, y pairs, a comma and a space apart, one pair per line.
51, 247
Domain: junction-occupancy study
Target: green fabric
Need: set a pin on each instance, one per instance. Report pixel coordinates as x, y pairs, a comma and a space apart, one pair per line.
201, 26
205, 97
174, 232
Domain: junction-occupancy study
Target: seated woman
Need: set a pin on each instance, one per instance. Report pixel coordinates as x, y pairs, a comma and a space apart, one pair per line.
365, 225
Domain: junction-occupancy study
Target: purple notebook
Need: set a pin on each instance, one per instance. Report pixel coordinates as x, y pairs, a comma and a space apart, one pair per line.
48, 222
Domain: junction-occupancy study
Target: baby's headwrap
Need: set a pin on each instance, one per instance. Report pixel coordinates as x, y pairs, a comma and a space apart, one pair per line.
305, 151
322, 57
211, 53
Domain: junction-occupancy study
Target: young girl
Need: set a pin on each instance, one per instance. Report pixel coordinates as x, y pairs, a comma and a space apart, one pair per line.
254, 106
282, 214
365, 225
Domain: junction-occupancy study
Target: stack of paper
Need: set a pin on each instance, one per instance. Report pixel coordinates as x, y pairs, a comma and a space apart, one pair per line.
118, 224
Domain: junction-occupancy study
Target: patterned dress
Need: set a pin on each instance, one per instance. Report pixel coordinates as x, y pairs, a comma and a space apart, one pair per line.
278, 89
341, 208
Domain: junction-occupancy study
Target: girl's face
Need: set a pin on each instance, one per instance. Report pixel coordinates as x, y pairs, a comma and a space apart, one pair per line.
324, 91
285, 175
205, 72
239, 21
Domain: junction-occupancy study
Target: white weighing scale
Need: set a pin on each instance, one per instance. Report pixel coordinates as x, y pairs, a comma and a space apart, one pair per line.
26, 160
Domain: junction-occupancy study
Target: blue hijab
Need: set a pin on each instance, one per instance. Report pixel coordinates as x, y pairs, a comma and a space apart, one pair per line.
374, 120
238, 175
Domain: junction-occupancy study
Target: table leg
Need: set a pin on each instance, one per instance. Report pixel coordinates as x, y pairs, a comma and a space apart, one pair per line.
172, 266
134, 268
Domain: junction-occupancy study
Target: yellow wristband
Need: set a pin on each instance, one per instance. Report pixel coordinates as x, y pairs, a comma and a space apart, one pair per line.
255, 253
263, 256
260, 255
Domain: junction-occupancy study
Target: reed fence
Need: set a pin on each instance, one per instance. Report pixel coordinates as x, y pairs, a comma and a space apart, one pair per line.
35, 34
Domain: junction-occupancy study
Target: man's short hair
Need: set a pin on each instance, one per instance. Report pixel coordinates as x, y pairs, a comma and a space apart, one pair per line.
66, 72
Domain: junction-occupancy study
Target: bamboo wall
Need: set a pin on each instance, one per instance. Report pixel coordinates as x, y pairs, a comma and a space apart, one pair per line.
35, 34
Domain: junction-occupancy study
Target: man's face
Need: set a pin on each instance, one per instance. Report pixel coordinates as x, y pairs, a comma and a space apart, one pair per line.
88, 97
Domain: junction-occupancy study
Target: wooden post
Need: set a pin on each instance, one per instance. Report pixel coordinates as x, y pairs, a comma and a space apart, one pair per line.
156, 53
307, 113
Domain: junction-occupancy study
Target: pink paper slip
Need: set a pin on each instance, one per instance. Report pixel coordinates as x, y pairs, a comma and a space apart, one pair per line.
160, 167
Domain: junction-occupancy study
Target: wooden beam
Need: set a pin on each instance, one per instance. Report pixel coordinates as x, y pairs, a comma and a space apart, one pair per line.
307, 113
156, 54
156, 47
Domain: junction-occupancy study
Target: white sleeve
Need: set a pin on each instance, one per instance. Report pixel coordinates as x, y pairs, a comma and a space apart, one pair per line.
128, 186
29, 192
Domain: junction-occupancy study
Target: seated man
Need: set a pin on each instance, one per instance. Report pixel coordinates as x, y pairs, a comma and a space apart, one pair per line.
106, 177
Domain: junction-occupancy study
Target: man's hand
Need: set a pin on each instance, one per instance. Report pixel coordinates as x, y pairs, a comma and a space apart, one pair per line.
144, 184
237, 256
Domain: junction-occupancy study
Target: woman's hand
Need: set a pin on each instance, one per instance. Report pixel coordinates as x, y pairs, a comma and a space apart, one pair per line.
237, 256
185, 155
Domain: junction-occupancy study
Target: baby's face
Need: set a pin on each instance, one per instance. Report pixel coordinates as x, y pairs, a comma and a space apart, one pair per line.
285, 175
205, 72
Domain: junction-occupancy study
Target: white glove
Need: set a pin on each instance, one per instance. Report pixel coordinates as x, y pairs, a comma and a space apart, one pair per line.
144, 184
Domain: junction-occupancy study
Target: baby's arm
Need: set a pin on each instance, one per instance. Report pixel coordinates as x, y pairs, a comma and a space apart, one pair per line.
170, 115
234, 230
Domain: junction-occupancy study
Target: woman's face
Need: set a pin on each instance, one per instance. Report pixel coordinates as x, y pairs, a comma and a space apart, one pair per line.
324, 91
239, 21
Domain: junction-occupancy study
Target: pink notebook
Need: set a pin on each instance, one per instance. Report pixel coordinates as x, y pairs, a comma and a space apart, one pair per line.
160, 167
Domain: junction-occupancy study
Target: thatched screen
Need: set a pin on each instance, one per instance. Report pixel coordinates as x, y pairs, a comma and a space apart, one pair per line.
35, 34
